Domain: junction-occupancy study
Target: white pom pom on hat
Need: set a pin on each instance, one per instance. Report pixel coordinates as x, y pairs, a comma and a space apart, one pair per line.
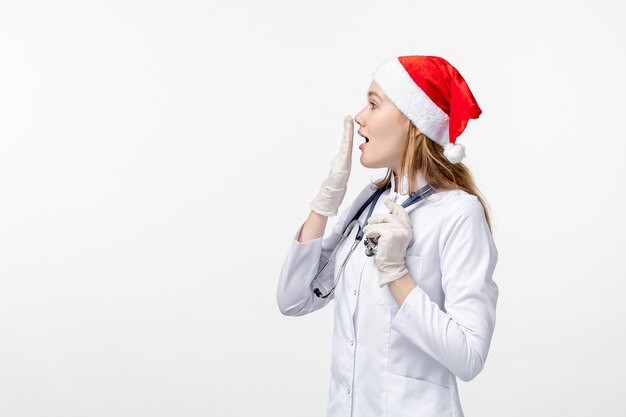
455, 152
433, 95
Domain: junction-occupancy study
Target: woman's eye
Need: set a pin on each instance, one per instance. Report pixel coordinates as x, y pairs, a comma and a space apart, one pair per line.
373, 105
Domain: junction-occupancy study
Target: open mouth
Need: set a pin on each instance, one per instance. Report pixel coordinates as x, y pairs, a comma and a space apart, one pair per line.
362, 146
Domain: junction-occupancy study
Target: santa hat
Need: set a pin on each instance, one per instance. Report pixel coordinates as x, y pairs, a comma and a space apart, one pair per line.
433, 95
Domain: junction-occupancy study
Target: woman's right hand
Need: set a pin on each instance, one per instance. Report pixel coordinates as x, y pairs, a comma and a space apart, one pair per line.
334, 187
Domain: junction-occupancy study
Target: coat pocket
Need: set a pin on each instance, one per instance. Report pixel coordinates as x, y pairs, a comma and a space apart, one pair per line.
411, 397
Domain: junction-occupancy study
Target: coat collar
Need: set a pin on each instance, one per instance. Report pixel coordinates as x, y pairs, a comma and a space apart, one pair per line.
404, 184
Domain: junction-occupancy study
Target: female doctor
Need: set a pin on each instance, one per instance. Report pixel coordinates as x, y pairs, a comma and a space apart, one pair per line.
412, 277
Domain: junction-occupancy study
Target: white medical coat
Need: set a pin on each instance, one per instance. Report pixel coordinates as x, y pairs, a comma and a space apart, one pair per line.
390, 360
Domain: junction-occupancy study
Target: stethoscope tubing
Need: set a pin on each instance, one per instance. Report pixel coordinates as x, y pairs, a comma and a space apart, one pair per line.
414, 198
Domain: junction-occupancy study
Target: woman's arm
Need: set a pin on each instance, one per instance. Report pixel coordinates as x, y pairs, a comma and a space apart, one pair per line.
307, 253
308, 250
459, 336
401, 288
314, 227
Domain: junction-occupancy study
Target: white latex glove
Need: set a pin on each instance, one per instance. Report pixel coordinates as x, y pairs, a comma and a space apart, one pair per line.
395, 233
334, 187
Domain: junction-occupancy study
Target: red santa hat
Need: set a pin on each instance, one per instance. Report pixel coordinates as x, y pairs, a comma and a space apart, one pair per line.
433, 95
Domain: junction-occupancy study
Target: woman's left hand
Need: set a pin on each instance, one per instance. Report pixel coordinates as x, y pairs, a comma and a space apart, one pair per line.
395, 233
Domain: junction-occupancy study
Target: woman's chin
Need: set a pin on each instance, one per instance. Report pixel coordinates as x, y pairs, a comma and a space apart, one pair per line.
369, 164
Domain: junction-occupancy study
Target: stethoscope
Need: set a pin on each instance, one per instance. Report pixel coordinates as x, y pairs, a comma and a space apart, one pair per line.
370, 243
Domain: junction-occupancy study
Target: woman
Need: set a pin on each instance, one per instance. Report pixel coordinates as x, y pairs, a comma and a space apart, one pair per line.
420, 312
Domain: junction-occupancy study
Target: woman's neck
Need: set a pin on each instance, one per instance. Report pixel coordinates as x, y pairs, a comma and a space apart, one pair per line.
419, 181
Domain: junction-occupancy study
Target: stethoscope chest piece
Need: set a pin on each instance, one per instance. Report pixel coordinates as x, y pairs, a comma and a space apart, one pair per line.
371, 244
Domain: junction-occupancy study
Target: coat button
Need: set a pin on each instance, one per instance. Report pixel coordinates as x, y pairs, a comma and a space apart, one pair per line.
351, 342
348, 390
354, 292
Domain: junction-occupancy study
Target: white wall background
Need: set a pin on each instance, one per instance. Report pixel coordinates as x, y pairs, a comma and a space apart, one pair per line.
156, 159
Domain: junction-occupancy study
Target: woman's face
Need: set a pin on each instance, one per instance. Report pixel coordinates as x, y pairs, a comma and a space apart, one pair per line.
386, 129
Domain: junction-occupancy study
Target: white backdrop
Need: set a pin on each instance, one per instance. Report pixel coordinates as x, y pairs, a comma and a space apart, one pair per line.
156, 159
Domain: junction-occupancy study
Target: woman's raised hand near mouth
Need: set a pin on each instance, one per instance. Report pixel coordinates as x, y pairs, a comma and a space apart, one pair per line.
334, 187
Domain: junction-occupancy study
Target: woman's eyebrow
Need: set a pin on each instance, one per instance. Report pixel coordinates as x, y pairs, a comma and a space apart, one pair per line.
371, 93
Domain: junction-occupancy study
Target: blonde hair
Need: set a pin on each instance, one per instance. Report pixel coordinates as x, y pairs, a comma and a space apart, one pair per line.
421, 153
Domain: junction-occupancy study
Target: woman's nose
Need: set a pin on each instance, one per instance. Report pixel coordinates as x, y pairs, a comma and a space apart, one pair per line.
357, 118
